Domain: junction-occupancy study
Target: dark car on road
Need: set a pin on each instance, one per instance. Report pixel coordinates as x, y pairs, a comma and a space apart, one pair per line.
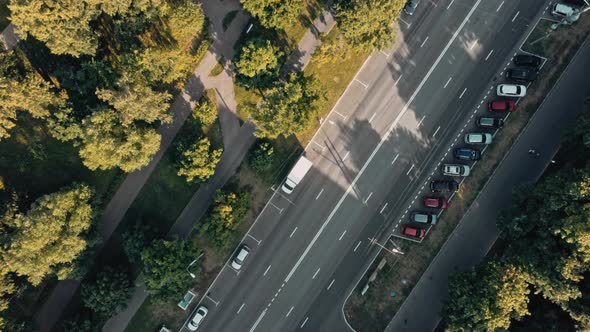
527, 60
412, 231
411, 6
489, 122
467, 154
443, 186
579, 3
521, 74
502, 105
435, 202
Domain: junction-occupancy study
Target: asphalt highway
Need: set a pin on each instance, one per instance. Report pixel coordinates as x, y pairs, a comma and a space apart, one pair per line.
372, 157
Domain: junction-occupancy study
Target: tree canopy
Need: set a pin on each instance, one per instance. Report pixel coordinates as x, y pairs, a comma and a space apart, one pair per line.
164, 268
258, 63
197, 162
225, 215
106, 144
487, 298
108, 294
368, 24
275, 14
49, 237
288, 107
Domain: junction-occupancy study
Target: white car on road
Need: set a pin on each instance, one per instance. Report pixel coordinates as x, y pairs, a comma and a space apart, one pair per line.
511, 90
198, 318
478, 138
456, 170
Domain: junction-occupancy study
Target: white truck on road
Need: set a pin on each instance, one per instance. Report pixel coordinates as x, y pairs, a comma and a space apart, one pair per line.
296, 175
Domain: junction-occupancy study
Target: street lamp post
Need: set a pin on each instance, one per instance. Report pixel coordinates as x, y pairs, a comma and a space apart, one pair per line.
391, 251
191, 264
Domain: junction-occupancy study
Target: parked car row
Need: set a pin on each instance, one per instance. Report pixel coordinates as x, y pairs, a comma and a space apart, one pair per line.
525, 71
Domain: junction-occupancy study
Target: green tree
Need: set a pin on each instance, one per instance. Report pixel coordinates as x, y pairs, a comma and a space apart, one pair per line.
135, 101
197, 162
186, 22
164, 268
225, 215
205, 112
64, 26
487, 298
106, 144
275, 14
108, 294
287, 108
262, 159
31, 94
49, 237
258, 63
368, 24
134, 240
166, 65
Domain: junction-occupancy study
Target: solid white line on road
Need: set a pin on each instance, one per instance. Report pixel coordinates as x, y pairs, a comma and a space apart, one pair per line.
419, 123
407, 24
321, 146
289, 312
515, 16
411, 168
449, 81
424, 42
293, 232
341, 236
331, 122
394, 159
383, 208
345, 156
384, 137
316, 273
305, 321
449, 6
462, 93
368, 197
473, 45
265, 272
357, 246
500, 6
489, 54
372, 117
436, 131
399, 78
258, 320
361, 83
386, 54
243, 304
330, 285
318, 196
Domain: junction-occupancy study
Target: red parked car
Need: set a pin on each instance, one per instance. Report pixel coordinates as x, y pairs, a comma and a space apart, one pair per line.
435, 202
415, 232
502, 105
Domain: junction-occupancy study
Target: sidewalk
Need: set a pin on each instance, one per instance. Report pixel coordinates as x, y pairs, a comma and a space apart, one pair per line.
9, 38
477, 232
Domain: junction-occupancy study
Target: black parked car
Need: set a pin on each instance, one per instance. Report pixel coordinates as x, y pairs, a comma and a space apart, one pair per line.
521, 74
527, 60
443, 186
579, 3
467, 154
489, 122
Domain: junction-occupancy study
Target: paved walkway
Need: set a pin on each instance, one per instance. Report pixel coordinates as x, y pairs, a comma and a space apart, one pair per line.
9, 38
477, 232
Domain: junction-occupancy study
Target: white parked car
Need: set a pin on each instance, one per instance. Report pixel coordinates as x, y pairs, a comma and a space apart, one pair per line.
456, 170
563, 10
511, 90
198, 318
478, 138
240, 257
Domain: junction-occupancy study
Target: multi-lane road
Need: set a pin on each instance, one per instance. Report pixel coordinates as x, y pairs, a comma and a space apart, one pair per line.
372, 156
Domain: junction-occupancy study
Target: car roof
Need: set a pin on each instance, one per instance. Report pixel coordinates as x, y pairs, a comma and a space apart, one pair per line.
243, 253
410, 230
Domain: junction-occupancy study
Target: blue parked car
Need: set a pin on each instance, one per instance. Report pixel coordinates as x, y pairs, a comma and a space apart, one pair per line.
467, 154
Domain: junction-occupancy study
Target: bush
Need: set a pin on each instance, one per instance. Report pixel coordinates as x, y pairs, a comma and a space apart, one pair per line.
262, 159
108, 295
225, 216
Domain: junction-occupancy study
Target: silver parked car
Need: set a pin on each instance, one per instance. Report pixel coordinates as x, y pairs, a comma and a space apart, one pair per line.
478, 138
456, 170
411, 6
240, 257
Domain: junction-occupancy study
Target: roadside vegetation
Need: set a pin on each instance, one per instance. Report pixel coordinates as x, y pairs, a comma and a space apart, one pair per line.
376, 308
81, 98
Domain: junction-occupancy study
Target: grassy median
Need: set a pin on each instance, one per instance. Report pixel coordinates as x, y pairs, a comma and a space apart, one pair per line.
374, 310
